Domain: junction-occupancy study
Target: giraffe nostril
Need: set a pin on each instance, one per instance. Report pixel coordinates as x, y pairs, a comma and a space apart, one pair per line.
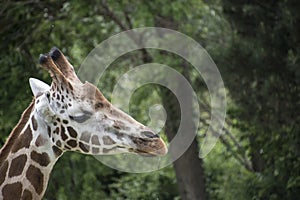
150, 134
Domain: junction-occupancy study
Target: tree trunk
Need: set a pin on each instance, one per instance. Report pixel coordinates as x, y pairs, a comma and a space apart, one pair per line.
256, 158
189, 174
188, 168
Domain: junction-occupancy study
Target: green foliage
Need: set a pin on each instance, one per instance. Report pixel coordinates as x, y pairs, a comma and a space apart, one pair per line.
264, 59
84, 177
225, 178
154, 185
79, 176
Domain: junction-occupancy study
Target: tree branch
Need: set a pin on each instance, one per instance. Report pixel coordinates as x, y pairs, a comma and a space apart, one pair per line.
242, 159
129, 23
138, 41
237, 144
113, 16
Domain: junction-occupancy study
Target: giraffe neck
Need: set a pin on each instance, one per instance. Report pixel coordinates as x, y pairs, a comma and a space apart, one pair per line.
26, 159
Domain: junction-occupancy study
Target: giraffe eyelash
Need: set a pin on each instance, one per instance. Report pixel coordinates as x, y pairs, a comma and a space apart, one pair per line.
81, 118
48, 95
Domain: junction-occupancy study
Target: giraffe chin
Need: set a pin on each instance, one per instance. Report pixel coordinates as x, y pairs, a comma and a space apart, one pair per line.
149, 154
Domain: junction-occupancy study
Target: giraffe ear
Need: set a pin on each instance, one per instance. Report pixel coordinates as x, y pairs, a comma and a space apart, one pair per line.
38, 87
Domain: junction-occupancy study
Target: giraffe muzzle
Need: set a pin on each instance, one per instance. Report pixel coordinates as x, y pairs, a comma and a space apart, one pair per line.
150, 146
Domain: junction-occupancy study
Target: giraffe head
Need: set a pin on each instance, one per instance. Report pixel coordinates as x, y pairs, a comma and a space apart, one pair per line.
79, 118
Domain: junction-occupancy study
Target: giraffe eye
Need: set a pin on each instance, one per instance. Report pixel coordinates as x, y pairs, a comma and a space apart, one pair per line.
81, 118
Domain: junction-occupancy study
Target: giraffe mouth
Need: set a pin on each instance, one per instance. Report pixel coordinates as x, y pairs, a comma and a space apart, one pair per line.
150, 147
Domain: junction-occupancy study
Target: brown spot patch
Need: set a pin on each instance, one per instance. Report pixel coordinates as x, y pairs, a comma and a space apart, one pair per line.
57, 151
40, 141
105, 150
17, 165
12, 191
112, 130
34, 123
116, 127
70, 86
120, 125
3, 170
85, 137
95, 150
84, 147
72, 132
107, 140
95, 140
42, 158
56, 131
26, 195
72, 143
120, 136
36, 178
49, 131
65, 121
23, 140
99, 105
63, 134
58, 143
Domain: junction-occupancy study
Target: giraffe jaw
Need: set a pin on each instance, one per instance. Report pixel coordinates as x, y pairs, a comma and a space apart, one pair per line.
148, 154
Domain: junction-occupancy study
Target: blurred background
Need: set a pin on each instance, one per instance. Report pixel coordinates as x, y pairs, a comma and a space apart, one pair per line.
256, 46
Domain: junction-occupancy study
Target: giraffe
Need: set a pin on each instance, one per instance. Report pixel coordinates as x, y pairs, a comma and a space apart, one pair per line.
67, 116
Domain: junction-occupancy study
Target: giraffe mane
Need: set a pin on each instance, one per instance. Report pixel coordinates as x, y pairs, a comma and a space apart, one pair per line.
6, 148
